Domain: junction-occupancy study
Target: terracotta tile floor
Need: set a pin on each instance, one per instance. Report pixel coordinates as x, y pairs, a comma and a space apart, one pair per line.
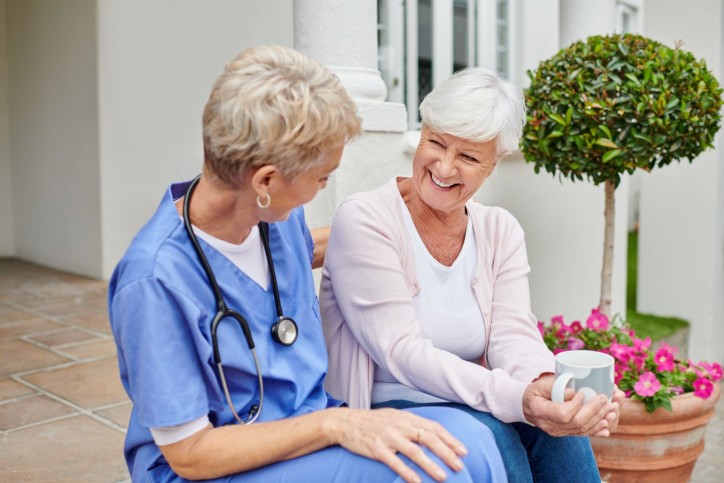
63, 411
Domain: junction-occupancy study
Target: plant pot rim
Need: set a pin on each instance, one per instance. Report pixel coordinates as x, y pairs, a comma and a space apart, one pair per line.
688, 410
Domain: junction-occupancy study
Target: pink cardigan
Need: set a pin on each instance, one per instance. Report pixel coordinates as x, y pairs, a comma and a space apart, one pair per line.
368, 282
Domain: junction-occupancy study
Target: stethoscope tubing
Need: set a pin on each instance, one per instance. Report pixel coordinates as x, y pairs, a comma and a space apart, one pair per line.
223, 312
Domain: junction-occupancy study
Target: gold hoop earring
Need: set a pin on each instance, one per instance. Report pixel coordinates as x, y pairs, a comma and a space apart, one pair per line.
265, 205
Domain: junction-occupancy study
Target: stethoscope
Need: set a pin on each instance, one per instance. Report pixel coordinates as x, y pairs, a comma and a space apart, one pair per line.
284, 330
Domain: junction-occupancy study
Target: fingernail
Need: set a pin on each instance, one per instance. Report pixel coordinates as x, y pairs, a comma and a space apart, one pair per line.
458, 464
440, 475
462, 450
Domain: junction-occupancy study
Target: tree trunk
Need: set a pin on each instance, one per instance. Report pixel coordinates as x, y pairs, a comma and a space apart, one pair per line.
607, 270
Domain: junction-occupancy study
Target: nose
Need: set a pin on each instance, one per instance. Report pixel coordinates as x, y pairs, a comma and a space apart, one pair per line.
446, 166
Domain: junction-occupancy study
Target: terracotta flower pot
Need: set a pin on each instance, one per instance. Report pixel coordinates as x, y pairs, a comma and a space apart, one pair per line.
658, 447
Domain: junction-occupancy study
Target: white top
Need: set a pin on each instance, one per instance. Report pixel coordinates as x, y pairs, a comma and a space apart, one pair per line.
446, 309
249, 257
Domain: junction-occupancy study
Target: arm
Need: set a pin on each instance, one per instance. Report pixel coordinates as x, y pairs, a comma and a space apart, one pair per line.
215, 452
364, 267
320, 236
515, 344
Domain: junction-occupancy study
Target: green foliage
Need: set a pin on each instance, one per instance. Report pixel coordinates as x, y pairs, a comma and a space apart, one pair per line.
611, 104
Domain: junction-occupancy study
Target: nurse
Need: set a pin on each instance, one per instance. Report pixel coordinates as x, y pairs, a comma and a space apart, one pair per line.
273, 129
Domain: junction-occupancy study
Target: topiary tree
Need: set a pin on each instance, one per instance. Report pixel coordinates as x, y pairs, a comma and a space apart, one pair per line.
611, 104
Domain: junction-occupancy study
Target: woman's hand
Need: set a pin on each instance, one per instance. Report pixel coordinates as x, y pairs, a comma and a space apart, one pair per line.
382, 433
598, 417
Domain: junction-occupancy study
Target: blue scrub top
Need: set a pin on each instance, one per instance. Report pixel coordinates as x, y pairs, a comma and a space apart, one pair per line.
161, 307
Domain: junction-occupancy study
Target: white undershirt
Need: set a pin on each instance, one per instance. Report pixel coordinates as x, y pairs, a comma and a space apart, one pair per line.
446, 308
250, 258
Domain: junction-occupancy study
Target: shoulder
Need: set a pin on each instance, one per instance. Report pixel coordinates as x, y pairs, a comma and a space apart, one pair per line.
380, 204
494, 221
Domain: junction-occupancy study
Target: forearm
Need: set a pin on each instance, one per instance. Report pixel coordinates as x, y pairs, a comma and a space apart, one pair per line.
320, 236
226, 450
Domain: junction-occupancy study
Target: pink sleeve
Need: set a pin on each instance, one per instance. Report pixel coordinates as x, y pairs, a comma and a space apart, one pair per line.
515, 345
366, 274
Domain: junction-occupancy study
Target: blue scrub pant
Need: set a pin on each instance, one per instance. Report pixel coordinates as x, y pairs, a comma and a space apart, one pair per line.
530, 454
335, 464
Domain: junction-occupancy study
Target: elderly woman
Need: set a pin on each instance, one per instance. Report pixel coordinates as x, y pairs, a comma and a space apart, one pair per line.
216, 320
425, 295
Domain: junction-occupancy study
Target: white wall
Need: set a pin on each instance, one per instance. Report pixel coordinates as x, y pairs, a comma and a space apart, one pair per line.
563, 224
538, 23
157, 62
680, 246
53, 132
7, 245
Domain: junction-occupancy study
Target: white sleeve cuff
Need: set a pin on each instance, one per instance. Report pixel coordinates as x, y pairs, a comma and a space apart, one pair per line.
174, 434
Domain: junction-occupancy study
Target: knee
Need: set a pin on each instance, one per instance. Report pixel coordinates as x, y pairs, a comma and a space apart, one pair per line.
483, 462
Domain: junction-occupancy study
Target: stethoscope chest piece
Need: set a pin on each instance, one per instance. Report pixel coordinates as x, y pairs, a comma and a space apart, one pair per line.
285, 331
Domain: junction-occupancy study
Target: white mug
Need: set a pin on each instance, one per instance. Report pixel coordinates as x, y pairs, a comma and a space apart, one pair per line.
590, 372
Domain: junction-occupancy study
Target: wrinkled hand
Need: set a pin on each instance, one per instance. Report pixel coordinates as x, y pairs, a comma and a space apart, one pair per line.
598, 417
612, 417
382, 433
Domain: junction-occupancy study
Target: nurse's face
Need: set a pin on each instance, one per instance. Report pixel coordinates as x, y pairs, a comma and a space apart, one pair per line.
290, 194
448, 170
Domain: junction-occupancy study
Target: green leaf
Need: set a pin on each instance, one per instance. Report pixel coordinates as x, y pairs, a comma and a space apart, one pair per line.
557, 119
606, 143
611, 154
633, 79
605, 129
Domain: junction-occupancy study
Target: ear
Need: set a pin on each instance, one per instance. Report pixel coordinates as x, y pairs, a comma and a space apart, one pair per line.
263, 178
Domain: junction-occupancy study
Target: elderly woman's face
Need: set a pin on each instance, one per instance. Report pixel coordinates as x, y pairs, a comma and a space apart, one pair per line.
448, 170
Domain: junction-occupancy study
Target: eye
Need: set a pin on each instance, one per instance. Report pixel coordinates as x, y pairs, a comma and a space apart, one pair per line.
436, 143
470, 158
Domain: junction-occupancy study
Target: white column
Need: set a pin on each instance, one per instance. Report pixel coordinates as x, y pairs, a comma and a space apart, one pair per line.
343, 36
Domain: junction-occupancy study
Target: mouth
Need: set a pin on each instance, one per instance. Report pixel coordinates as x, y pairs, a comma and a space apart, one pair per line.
440, 183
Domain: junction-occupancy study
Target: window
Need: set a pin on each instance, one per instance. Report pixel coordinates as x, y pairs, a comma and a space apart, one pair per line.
422, 42
628, 16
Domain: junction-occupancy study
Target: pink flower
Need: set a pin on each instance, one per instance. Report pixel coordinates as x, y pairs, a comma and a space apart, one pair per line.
618, 374
647, 384
619, 351
557, 319
664, 360
714, 370
703, 387
638, 361
575, 344
597, 321
541, 328
563, 332
576, 327
642, 345
669, 348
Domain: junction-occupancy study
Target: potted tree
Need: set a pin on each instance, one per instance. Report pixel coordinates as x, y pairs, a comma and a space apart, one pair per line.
597, 109
611, 104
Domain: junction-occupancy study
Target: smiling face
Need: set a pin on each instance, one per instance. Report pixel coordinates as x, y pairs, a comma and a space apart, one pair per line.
448, 170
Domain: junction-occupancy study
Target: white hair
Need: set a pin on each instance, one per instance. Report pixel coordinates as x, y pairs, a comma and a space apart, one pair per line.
478, 105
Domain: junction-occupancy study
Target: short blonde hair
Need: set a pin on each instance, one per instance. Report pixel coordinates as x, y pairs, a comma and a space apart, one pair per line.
274, 105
